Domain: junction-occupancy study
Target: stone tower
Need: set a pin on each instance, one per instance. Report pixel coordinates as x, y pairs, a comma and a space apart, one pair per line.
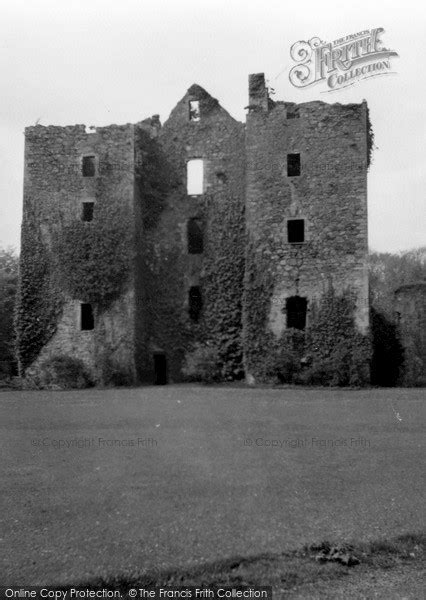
306, 212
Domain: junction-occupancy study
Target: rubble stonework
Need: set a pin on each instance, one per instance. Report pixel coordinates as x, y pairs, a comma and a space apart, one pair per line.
247, 199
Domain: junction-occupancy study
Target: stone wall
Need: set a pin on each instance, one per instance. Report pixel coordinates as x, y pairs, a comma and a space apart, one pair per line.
167, 269
54, 190
247, 268
330, 194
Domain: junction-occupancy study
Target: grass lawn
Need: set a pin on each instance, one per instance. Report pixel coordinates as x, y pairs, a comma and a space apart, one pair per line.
106, 483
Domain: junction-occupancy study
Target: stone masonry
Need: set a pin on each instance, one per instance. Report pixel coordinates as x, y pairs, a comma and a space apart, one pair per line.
329, 195
290, 183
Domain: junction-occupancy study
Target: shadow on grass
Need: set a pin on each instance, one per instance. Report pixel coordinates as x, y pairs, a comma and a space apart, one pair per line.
318, 562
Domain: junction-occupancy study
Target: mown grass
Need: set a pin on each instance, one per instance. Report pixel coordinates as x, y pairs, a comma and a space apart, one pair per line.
285, 570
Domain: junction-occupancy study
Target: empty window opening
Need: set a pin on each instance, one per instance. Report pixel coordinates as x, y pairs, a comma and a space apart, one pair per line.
194, 110
293, 165
292, 112
160, 368
296, 312
195, 176
86, 317
89, 166
296, 231
195, 303
87, 214
195, 236
221, 177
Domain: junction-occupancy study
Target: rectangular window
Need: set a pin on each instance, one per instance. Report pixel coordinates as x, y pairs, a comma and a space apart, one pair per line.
89, 166
296, 231
195, 302
87, 213
194, 110
195, 236
87, 321
296, 312
195, 177
293, 165
292, 112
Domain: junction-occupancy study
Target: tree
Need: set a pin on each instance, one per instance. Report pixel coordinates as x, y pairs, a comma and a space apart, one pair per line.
8, 285
388, 271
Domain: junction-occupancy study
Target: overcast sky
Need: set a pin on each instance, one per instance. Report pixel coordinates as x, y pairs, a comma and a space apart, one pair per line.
99, 62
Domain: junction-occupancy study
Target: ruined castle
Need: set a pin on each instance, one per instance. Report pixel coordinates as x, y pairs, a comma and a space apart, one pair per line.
140, 240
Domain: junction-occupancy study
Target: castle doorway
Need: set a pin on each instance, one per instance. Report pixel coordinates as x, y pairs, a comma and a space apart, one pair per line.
160, 368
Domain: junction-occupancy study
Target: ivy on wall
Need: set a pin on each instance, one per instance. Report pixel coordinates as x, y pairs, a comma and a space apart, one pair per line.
223, 284
39, 301
154, 177
165, 271
370, 139
258, 342
331, 351
94, 259
162, 323
337, 353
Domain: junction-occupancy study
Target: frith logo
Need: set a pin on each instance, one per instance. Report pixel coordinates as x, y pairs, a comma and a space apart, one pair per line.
342, 62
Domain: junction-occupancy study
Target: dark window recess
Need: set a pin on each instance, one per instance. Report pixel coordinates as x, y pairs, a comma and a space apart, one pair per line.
194, 110
292, 112
296, 312
195, 236
89, 166
296, 231
87, 318
221, 177
293, 165
160, 369
87, 214
195, 303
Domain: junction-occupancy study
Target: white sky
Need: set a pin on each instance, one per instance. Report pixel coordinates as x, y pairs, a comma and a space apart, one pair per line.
99, 62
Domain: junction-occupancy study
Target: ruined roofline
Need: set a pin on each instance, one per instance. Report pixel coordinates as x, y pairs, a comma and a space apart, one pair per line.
259, 98
315, 103
58, 130
88, 129
197, 92
258, 94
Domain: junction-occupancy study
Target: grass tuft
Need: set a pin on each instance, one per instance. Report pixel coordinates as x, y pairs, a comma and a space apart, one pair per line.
286, 570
